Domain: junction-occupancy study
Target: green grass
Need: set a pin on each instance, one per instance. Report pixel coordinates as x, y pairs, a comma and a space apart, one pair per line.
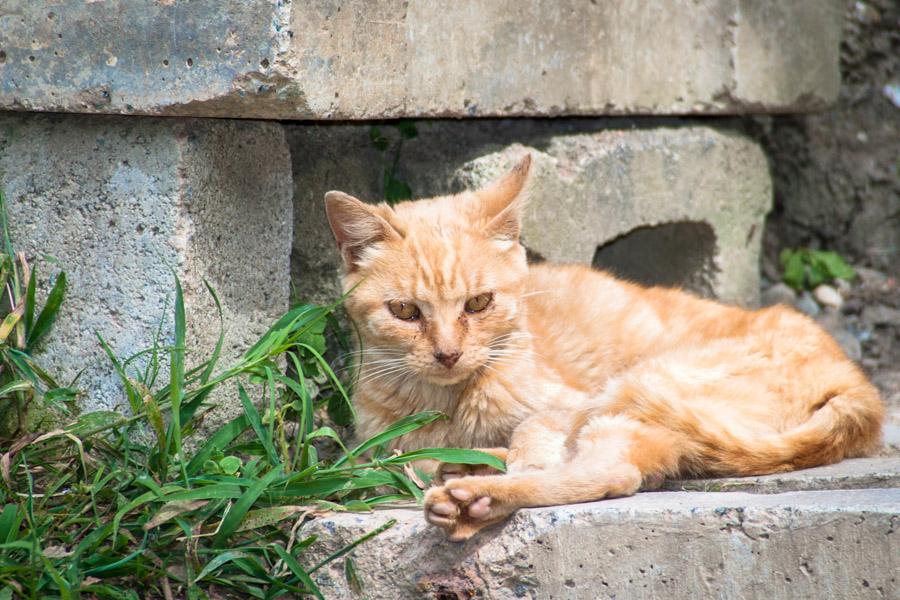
150, 504
26, 388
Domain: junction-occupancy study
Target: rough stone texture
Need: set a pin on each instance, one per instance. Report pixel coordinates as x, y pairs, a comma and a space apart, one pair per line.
119, 202
855, 474
812, 544
355, 59
836, 174
669, 204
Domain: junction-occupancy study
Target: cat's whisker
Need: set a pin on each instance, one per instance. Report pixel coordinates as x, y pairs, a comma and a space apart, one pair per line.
535, 293
376, 375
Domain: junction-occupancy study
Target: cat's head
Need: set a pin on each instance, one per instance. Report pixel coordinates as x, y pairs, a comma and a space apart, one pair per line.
436, 283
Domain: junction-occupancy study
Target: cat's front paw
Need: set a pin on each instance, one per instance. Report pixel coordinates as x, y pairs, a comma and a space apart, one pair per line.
461, 511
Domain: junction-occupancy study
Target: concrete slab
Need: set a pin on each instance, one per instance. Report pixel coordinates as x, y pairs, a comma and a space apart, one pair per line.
853, 474
809, 544
355, 59
669, 203
122, 202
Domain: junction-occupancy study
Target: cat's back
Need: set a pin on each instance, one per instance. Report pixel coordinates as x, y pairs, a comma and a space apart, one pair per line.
587, 323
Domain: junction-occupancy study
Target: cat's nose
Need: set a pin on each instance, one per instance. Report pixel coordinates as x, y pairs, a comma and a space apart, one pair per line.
448, 359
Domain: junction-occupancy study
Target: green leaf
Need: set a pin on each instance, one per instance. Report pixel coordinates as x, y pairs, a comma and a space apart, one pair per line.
406, 128
816, 274
339, 411
377, 139
256, 423
263, 517
48, 314
219, 441
378, 530
231, 521
353, 580
459, 456
19, 385
176, 373
218, 561
30, 300
211, 363
298, 571
10, 519
92, 421
794, 270
230, 465
835, 265
396, 190
399, 428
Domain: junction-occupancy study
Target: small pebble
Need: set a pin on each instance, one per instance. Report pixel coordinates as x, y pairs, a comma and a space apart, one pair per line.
780, 293
806, 304
828, 296
843, 286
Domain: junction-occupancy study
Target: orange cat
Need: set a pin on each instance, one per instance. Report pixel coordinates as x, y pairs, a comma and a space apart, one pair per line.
597, 386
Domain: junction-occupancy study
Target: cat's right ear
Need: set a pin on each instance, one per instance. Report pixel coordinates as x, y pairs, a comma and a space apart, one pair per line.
356, 226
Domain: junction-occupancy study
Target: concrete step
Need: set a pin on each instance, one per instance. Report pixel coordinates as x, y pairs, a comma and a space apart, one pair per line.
837, 542
356, 59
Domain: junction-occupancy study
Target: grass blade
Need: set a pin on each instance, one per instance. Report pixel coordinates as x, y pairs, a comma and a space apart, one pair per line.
30, 300
459, 456
48, 314
399, 428
219, 441
298, 571
242, 506
378, 530
256, 423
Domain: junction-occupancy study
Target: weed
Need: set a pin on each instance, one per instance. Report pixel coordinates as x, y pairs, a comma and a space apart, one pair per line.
807, 269
23, 326
393, 188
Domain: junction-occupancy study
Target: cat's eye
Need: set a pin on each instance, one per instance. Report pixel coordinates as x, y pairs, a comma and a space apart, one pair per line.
403, 310
479, 303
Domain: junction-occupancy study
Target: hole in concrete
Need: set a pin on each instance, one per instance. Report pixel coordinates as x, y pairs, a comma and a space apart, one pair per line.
166, 62
675, 254
264, 63
190, 62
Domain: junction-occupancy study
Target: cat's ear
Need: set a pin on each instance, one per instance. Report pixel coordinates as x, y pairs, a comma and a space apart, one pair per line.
356, 226
503, 200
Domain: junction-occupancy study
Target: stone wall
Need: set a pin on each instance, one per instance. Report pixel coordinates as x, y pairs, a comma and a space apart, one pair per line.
122, 204
836, 173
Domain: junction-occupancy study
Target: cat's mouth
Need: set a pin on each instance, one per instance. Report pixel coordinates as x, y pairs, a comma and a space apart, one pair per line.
441, 375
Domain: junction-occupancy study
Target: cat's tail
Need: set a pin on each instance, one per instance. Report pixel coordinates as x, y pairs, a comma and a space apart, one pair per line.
841, 424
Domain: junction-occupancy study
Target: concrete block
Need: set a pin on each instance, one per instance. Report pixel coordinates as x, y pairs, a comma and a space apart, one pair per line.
853, 474
355, 59
674, 545
672, 205
120, 202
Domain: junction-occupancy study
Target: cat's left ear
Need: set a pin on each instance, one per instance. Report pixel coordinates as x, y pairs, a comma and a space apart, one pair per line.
503, 200
357, 225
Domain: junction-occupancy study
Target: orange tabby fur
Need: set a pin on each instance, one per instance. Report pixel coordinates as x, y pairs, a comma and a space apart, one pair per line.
598, 386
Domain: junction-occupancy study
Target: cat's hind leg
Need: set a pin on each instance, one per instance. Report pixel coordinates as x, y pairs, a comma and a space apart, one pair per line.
607, 456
